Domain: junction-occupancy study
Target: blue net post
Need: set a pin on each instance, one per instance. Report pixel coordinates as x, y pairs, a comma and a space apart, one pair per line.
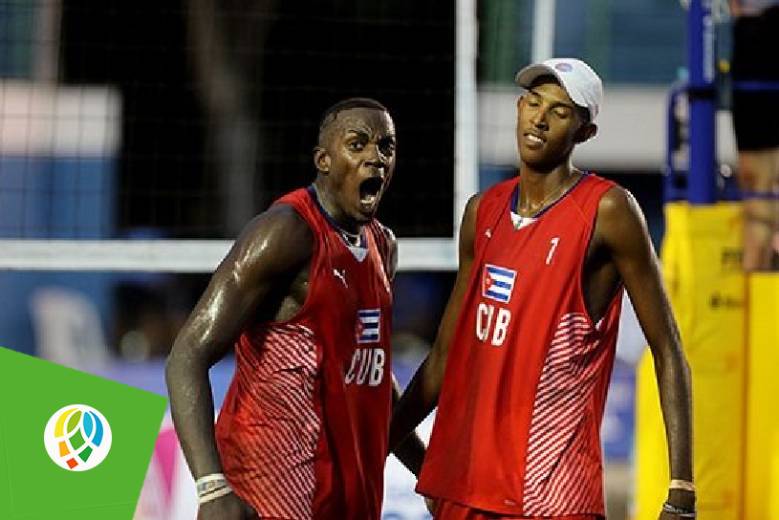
702, 100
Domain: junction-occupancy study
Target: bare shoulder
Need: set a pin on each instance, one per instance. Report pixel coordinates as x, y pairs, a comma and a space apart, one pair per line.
618, 207
278, 238
468, 227
620, 222
471, 211
616, 203
392, 252
388, 234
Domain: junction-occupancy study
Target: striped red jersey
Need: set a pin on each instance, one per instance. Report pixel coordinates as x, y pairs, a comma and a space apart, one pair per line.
303, 431
517, 427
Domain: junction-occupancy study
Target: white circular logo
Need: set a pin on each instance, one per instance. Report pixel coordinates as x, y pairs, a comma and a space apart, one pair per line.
77, 437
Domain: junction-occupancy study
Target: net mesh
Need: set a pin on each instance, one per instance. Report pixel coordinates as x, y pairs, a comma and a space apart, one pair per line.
182, 120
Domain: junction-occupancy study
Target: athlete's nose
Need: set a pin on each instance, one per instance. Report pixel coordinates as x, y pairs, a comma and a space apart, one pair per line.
377, 160
538, 119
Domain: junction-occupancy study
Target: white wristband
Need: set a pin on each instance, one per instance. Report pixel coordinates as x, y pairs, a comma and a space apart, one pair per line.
211, 477
208, 483
213, 495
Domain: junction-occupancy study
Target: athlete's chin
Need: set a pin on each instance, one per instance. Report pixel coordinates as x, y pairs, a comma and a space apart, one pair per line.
364, 217
540, 162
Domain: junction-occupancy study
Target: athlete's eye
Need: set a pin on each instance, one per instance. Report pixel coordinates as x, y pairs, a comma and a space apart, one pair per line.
356, 145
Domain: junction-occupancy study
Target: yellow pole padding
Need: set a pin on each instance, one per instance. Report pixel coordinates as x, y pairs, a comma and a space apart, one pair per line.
701, 258
761, 489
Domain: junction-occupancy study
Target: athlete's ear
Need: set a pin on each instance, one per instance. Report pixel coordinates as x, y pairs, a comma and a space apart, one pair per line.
586, 132
321, 159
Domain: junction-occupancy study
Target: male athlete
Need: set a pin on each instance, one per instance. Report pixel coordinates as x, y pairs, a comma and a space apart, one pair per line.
523, 356
304, 296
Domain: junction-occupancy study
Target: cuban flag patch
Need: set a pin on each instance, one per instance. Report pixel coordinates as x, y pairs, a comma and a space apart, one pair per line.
368, 325
497, 283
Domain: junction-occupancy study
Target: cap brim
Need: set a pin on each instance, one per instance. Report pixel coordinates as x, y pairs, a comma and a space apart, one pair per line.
529, 74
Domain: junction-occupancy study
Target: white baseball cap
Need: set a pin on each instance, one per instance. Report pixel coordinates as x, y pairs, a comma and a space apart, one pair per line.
582, 84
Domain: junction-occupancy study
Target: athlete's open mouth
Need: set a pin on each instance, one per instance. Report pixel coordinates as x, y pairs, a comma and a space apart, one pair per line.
369, 190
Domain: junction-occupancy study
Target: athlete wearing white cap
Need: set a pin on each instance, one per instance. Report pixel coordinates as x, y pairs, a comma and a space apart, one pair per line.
521, 364
582, 84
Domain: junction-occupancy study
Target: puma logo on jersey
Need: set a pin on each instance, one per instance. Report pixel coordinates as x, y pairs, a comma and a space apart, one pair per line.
367, 367
488, 233
341, 275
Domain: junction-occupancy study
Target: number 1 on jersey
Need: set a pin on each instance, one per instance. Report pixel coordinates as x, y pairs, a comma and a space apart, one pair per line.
552, 247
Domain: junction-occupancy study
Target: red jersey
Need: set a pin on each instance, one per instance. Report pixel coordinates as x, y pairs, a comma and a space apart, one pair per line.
517, 427
303, 431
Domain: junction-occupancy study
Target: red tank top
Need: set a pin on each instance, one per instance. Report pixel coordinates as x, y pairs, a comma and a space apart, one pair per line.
517, 427
303, 430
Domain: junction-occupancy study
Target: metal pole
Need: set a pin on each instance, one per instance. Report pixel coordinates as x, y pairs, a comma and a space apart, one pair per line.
466, 175
543, 30
702, 99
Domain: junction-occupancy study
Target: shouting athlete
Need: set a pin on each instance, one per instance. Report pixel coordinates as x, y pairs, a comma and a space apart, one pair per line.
304, 297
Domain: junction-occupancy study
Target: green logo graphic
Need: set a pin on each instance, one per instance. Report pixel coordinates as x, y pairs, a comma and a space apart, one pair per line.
98, 437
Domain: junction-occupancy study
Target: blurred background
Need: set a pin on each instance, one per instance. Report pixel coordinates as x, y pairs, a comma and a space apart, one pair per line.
136, 139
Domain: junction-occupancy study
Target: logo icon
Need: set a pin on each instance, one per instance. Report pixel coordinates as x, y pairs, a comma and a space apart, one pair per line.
368, 325
498, 283
77, 437
564, 67
341, 275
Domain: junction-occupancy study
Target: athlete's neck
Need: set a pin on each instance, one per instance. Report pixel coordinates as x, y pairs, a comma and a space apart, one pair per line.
335, 214
539, 188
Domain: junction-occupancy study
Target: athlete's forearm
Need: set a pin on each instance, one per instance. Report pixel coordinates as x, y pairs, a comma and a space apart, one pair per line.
192, 409
673, 380
416, 403
411, 452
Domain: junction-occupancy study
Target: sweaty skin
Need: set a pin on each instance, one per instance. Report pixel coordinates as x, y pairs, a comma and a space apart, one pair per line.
549, 125
265, 277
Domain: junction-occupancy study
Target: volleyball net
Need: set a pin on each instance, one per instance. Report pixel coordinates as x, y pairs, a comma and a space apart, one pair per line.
143, 139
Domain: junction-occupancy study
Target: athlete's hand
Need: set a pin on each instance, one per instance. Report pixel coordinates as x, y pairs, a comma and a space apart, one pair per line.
228, 507
432, 505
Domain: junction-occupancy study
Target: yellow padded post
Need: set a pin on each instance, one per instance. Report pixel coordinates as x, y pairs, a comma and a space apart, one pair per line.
701, 257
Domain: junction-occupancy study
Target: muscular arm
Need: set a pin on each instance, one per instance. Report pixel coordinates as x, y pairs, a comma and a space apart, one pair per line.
270, 251
622, 228
421, 396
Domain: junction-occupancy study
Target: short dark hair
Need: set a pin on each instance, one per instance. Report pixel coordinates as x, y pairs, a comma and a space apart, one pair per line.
356, 102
